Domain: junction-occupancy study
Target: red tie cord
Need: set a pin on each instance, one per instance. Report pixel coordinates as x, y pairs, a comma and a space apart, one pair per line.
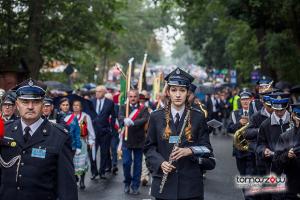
1, 128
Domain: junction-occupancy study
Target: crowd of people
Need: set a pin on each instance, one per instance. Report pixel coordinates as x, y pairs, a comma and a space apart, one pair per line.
47, 148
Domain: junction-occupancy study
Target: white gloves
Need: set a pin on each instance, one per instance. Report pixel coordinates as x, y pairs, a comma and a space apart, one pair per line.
78, 151
128, 122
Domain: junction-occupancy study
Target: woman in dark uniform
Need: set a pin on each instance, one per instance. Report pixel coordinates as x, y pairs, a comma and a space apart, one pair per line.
184, 164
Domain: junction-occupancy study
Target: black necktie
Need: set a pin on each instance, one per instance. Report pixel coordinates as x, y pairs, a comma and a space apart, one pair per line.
177, 118
27, 135
99, 106
246, 113
281, 123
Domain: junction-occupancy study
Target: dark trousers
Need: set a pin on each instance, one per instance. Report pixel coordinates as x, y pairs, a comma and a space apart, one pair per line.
135, 179
113, 153
104, 143
246, 166
114, 149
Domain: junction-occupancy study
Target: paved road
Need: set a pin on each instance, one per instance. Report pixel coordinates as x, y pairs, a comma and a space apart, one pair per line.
219, 183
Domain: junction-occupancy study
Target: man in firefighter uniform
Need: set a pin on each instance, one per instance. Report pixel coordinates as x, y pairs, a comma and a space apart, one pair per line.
287, 155
38, 162
270, 131
245, 159
252, 130
8, 106
264, 85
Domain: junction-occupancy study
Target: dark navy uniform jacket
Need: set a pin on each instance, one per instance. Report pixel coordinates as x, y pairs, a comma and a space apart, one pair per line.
233, 126
49, 175
268, 136
253, 128
255, 106
288, 140
187, 180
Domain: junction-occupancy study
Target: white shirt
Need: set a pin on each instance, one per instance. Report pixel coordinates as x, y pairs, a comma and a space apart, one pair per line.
266, 112
97, 105
214, 102
244, 111
90, 128
174, 112
33, 127
283, 117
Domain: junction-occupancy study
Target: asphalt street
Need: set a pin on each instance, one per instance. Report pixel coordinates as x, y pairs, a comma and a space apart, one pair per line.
219, 183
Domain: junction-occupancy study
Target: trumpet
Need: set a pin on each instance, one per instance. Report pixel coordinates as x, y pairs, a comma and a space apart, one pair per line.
239, 140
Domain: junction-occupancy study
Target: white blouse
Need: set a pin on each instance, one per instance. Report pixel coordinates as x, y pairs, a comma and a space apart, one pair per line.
90, 128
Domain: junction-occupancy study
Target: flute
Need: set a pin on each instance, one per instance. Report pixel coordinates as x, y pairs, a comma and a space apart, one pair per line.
165, 176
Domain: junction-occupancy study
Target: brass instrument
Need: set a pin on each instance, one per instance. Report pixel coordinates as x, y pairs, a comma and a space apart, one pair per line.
239, 140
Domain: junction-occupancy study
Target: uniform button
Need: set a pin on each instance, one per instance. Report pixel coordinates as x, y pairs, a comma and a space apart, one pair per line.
18, 188
24, 152
20, 175
22, 164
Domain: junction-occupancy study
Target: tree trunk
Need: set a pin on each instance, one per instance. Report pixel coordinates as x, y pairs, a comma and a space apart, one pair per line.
33, 55
7, 6
266, 69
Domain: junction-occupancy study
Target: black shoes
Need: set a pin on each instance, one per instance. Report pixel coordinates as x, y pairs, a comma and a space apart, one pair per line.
94, 176
115, 170
144, 182
81, 182
81, 185
102, 176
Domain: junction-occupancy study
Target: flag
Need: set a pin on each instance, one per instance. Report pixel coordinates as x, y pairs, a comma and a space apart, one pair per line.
157, 87
142, 85
122, 96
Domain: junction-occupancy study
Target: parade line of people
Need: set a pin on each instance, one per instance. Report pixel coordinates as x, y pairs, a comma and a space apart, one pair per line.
47, 150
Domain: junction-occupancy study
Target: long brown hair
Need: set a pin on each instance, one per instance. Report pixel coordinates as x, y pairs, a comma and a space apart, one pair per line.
188, 128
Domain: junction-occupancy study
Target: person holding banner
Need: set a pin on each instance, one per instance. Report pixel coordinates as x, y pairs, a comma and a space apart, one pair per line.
177, 147
134, 144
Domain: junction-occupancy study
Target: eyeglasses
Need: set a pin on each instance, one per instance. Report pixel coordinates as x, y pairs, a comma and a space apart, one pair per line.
8, 105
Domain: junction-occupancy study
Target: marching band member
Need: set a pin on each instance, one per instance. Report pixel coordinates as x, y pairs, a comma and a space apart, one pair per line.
287, 155
270, 131
176, 170
245, 160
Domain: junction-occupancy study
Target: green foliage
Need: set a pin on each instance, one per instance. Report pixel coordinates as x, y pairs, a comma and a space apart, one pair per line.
88, 33
48, 76
244, 33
